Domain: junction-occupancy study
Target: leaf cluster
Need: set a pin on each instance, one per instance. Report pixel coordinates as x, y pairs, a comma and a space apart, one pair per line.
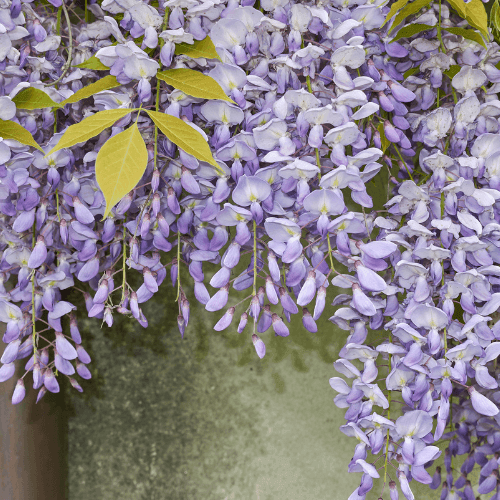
123, 158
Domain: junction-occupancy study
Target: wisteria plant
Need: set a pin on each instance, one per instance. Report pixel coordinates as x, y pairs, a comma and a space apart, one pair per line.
140, 138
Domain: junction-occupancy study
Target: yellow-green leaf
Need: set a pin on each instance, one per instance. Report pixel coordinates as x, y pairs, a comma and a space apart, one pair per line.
410, 72
32, 98
477, 17
410, 30
459, 6
454, 69
12, 130
193, 83
394, 8
383, 140
92, 63
468, 34
182, 135
200, 48
108, 82
120, 164
495, 17
88, 128
409, 10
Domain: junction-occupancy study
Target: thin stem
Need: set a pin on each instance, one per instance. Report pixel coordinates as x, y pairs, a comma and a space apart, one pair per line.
316, 150
157, 100
401, 158
440, 38
124, 269
178, 265
254, 258
33, 312
389, 398
67, 64
330, 252
57, 206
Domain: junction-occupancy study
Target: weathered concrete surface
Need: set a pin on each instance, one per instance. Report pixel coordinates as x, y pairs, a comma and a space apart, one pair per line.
204, 418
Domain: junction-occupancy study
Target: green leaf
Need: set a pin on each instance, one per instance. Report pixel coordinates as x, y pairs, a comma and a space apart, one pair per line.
384, 142
411, 30
200, 48
120, 164
394, 8
495, 16
459, 6
454, 69
12, 130
88, 128
468, 34
193, 83
108, 82
184, 136
32, 98
410, 72
409, 10
92, 63
477, 17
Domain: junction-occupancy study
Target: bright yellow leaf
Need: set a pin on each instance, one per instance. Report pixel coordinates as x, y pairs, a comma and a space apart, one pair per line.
108, 82
120, 164
201, 48
92, 63
193, 83
467, 34
88, 128
12, 130
33, 98
477, 17
394, 8
459, 6
184, 136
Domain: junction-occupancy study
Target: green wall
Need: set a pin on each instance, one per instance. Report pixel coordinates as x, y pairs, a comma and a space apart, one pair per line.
203, 417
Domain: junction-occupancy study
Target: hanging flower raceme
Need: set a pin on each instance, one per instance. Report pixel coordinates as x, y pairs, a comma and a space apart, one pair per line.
334, 149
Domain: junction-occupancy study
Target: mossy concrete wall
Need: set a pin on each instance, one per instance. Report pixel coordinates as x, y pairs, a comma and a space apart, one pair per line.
203, 418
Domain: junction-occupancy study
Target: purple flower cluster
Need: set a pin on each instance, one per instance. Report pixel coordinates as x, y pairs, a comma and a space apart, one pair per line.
323, 102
